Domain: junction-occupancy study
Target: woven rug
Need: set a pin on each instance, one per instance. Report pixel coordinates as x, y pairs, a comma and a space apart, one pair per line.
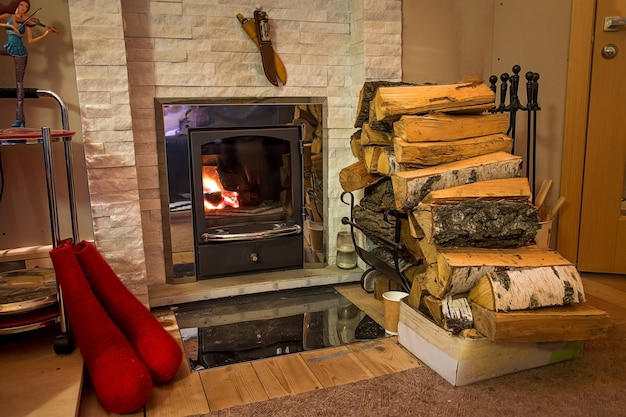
591, 386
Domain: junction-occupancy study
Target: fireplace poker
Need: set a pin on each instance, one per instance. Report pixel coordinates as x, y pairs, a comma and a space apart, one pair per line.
492, 86
529, 106
535, 108
514, 104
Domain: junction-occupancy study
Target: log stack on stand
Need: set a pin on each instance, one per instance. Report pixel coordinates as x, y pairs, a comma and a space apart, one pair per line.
435, 155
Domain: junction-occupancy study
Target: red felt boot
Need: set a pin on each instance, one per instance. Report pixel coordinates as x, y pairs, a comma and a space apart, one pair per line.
120, 380
153, 344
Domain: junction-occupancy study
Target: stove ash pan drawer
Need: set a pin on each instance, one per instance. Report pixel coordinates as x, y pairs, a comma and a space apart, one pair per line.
215, 260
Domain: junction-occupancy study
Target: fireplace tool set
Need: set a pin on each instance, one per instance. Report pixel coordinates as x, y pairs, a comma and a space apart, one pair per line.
510, 84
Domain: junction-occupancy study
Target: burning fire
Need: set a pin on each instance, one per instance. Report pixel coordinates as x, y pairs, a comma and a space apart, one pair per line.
215, 196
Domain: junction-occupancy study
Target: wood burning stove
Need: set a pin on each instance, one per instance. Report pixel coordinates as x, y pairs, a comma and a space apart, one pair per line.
247, 199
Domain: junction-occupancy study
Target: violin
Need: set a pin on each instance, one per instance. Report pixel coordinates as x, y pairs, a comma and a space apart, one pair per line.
32, 21
36, 22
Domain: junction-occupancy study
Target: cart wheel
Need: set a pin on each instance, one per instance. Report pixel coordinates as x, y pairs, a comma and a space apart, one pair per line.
63, 344
367, 280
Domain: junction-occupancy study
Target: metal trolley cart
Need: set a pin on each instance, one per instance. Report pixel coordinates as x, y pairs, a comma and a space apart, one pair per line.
396, 248
63, 342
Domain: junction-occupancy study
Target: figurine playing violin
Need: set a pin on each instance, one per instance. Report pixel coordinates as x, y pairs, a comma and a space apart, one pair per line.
17, 25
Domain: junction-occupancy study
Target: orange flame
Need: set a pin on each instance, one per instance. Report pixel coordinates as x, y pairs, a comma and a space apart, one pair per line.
211, 185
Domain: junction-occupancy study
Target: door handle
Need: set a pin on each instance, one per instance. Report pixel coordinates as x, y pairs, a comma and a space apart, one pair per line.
612, 23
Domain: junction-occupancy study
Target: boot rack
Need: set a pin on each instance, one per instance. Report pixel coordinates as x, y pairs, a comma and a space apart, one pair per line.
396, 248
63, 342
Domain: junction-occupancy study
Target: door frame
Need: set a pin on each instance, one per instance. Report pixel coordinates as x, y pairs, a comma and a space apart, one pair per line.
575, 129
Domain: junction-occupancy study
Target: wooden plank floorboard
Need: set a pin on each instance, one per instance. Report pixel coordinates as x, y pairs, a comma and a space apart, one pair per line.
605, 292
336, 366
384, 356
232, 385
286, 375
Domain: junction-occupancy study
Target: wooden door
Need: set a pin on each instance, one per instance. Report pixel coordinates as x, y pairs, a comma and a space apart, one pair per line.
602, 237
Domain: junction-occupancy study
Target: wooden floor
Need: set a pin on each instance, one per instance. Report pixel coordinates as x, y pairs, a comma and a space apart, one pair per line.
219, 388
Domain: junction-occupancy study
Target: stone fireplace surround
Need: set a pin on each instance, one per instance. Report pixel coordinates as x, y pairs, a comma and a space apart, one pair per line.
128, 52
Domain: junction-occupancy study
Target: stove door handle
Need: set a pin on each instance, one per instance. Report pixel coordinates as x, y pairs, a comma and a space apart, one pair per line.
277, 231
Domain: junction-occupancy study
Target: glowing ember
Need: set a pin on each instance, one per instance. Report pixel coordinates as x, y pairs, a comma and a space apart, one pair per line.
215, 197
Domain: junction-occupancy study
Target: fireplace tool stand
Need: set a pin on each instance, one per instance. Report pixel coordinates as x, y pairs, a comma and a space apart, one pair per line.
510, 84
390, 268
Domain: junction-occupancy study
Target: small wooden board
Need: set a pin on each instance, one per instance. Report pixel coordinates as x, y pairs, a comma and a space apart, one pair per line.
548, 324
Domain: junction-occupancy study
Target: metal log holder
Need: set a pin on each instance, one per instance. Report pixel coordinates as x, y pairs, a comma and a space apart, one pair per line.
63, 343
396, 248
510, 84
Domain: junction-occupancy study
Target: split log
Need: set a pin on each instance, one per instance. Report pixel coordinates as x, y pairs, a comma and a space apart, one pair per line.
371, 136
522, 289
548, 324
389, 165
435, 308
370, 157
479, 223
514, 188
390, 103
356, 176
456, 314
368, 90
355, 145
410, 187
445, 127
434, 153
457, 270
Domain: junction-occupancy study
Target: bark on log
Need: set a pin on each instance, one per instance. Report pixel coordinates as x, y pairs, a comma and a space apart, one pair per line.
434, 153
390, 103
548, 324
445, 127
479, 223
410, 187
368, 90
375, 223
355, 176
378, 197
528, 288
458, 270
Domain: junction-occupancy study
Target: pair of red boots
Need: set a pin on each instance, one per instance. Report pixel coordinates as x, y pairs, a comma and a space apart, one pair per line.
125, 348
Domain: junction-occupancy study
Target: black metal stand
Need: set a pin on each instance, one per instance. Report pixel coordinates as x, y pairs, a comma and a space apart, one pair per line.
396, 248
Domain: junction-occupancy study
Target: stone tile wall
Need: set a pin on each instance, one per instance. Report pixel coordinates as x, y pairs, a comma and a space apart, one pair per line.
129, 51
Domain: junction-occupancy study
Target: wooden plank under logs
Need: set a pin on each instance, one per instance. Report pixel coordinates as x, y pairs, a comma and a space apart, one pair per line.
410, 187
528, 288
457, 270
390, 103
548, 324
434, 153
445, 127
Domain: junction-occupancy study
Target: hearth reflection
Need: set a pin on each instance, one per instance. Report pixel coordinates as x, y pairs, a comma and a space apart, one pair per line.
245, 328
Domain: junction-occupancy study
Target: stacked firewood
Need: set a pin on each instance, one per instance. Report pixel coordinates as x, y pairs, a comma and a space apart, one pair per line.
436, 155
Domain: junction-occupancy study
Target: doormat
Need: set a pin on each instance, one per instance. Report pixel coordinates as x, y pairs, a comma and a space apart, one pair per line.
249, 327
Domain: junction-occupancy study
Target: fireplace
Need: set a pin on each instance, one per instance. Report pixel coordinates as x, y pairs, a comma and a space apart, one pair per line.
244, 180
246, 195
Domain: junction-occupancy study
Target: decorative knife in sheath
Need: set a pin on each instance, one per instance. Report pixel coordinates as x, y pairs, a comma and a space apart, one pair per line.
265, 45
250, 28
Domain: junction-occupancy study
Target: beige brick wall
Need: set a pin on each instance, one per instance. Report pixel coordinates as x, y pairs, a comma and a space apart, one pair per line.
128, 52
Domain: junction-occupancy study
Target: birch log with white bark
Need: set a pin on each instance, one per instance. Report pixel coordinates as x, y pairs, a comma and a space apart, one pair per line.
410, 187
528, 288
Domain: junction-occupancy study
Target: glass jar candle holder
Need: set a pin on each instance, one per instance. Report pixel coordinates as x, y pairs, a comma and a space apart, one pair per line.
346, 253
